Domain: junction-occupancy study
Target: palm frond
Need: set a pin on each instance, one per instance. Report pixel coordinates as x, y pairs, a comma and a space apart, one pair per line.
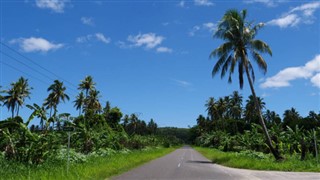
260, 46
260, 61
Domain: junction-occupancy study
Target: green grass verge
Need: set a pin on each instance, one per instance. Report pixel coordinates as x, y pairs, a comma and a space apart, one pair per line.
259, 161
93, 168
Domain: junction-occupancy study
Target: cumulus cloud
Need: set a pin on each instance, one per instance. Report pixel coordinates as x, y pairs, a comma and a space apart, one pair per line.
164, 50
297, 15
34, 44
55, 5
94, 37
87, 21
315, 80
311, 71
149, 40
209, 26
203, 3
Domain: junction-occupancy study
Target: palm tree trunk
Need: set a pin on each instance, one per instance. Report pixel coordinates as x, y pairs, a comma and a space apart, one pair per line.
12, 111
275, 152
17, 111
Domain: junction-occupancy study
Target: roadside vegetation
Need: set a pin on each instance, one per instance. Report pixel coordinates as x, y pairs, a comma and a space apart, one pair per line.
98, 136
250, 132
259, 161
91, 166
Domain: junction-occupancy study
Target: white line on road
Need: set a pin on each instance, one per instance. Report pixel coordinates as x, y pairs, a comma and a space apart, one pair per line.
179, 165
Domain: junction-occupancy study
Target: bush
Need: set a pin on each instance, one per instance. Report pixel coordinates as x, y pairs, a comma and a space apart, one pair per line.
74, 156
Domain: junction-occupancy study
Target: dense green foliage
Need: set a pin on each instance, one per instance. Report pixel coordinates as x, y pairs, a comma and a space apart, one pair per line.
97, 165
96, 131
294, 135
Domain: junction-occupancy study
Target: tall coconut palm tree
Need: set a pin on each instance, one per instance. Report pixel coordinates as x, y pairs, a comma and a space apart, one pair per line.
79, 102
57, 94
16, 95
87, 85
239, 42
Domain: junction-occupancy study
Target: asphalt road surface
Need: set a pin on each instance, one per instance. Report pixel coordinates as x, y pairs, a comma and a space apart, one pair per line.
186, 163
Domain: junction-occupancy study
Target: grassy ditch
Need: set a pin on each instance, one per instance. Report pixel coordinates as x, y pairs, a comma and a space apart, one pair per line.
259, 161
93, 167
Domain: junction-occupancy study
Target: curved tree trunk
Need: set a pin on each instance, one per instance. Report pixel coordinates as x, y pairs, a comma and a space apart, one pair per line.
274, 151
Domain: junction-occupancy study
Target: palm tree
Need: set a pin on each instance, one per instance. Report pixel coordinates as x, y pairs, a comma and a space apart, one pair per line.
239, 36
79, 102
211, 108
92, 101
16, 95
272, 117
57, 94
87, 85
291, 118
222, 106
250, 112
235, 105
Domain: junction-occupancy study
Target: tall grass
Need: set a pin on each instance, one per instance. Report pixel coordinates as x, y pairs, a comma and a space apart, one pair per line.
92, 168
259, 161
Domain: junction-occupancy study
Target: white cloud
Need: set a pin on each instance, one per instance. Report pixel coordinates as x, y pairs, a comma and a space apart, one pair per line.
182, 4
269, 3
164, 50
282, 79
55, 5
307, 9
34, 44
102, 38
193, 31
149, 40
94, 37
182, 83
285, 21
203, 3
296, 16
87, 21
209, 26
315, 80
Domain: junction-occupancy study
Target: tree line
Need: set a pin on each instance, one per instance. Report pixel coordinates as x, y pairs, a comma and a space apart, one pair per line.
95, 128
232, 125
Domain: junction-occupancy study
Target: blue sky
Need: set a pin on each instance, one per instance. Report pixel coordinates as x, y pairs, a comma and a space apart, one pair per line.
152, 57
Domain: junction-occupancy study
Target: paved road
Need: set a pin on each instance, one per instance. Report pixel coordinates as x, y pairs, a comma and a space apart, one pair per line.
186, 163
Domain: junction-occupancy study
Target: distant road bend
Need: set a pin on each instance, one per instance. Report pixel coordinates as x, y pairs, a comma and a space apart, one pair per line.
187, 164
